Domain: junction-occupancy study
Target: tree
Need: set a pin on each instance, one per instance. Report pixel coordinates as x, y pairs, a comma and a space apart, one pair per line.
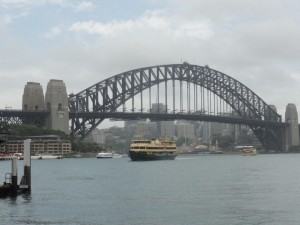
32, 130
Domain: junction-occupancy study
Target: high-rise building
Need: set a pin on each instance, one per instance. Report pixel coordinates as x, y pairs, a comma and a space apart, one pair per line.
185, 129
158, 108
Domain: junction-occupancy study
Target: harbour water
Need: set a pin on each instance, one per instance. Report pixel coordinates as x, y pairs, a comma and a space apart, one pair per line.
200, 189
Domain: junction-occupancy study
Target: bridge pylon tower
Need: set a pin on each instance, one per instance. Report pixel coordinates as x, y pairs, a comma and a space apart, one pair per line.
292, 132
56, 100
33, 97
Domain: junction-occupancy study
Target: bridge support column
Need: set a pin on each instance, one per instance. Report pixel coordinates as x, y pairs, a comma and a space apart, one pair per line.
292, 132
56, 100
33, 97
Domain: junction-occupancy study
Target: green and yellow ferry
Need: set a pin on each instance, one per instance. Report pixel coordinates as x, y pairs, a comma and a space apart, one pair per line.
144, 150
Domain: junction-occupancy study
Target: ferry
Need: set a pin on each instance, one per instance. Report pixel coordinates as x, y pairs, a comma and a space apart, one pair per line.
154, 149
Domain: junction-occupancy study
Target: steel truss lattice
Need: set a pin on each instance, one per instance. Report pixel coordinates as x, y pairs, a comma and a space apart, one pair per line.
106, 96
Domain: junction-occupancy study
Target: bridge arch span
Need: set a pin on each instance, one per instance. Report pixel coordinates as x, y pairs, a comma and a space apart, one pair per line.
108, 95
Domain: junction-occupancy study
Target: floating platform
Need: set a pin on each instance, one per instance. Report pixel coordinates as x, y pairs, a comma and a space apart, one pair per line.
5, 190
10, 186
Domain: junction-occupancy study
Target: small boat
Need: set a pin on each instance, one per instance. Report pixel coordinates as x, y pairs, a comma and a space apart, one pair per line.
19, 156
36, 157
46, 157
155, 149
104, 155
248, 151
5, 157
216, 152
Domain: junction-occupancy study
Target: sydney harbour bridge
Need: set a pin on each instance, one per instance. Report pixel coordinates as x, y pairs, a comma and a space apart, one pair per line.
186, 91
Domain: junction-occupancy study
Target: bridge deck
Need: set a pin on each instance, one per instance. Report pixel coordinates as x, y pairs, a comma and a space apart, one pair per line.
175, 116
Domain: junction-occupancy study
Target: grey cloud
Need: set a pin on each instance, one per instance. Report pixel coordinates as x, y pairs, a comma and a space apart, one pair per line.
255, 42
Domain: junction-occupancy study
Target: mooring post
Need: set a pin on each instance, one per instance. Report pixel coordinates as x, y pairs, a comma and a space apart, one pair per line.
14, 175
27, 164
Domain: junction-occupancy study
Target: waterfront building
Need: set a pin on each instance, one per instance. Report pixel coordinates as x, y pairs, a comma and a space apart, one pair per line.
40, 145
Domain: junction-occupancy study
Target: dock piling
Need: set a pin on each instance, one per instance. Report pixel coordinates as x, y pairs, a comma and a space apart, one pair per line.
26, 179
10, 186
14, 175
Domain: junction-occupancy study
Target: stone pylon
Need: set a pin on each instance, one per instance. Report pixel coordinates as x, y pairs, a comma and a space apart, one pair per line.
33, 97
292, 132
56, 100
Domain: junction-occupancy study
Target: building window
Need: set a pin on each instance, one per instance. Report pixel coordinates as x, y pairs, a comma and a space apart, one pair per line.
60, 107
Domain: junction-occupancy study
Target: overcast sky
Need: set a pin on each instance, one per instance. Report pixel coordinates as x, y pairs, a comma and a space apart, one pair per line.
84, 42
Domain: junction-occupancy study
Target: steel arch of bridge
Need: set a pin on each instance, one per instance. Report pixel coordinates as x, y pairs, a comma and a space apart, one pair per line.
91, 106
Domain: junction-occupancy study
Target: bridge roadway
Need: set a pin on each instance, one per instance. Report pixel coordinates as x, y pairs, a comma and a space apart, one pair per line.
33, 116
21, 113
175, 116
24, 116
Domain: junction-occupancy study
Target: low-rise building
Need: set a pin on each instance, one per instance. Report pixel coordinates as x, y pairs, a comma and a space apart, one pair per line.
40, 145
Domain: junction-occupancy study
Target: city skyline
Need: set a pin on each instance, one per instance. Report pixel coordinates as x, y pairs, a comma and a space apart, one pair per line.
85, 42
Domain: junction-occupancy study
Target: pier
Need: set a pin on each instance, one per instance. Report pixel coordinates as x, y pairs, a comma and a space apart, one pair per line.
10, 186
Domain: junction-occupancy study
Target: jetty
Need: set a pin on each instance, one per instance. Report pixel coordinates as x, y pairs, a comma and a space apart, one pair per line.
10, 186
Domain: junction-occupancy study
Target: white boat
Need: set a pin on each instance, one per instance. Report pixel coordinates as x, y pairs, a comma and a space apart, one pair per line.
104, 155
46, 157
36, 157
19, 156
248, 151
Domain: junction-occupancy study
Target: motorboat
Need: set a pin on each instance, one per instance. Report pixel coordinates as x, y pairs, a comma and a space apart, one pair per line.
46, 157
248, 151
104, 155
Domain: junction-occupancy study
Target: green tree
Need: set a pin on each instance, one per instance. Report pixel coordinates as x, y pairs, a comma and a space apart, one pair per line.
32, 130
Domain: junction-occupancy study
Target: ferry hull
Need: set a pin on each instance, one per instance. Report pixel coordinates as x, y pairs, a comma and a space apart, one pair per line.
148, 156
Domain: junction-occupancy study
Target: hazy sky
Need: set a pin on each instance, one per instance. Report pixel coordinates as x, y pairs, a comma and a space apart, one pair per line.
83, 42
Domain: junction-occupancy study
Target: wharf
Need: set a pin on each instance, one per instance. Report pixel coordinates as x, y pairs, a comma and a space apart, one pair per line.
10, 186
